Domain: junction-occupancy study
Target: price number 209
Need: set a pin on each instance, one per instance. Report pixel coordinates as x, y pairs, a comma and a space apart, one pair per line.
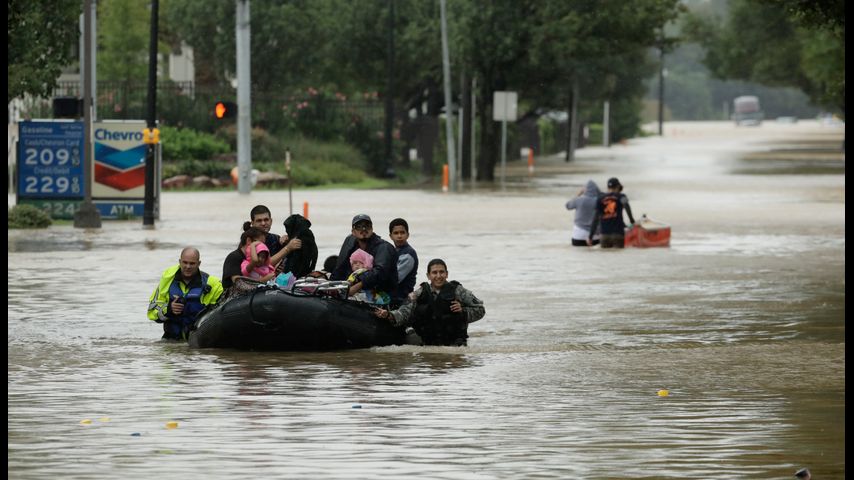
46, 157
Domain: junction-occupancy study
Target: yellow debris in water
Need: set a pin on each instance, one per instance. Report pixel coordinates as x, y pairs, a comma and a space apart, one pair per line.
85, 421
172, 424
663, 393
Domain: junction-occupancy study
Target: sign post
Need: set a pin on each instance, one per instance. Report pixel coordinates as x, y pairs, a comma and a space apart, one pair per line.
504, 109
87, 215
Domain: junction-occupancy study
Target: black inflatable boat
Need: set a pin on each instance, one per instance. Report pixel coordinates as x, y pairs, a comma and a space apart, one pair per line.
270, 318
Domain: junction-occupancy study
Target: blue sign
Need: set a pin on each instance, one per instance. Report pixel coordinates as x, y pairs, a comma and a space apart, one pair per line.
50, 160
117, 210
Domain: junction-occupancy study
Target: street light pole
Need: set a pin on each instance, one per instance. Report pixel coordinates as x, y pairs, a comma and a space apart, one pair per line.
388, 168
150, 159
87, 216
449, 117
244, 118
661, 90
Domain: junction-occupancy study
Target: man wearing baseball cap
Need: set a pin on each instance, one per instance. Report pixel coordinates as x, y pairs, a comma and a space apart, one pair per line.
383, 275
609, 211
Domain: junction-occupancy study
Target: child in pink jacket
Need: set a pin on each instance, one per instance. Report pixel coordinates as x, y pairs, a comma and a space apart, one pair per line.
256, 264
362, 261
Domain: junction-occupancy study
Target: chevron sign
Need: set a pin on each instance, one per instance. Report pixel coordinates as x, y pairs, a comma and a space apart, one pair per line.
119, 166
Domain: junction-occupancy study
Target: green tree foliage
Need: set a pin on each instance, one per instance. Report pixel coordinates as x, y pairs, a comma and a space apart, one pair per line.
358, 51
328, 45
692, 94
495, 42
531, 46
39, 39
779, 43
209, 28
541, 48
123, 38
534, 47
287, 40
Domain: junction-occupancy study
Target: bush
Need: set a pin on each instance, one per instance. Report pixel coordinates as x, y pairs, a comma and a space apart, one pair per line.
367, 141
318, 117
548, 142
265, 147
313, 162
28, 216
187, 144
324, 173
194, 168
625, 119
316, 163
594, 134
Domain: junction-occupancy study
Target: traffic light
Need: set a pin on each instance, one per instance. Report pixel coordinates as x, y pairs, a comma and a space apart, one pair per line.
225, 110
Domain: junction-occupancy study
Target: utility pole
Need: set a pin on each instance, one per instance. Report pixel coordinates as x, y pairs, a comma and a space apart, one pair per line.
473, 130
244, 117
150, 158
460, 121
388, 168
665, 44
92, 50
606, 124
449, 117
87, 216
661, 89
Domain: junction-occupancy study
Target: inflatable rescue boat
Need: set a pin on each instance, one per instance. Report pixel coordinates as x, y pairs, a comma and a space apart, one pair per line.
272, 318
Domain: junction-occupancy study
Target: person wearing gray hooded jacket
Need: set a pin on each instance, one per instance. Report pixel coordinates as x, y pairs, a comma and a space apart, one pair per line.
584, 205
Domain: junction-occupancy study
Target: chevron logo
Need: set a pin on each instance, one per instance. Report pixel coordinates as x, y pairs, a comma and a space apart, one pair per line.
120, 169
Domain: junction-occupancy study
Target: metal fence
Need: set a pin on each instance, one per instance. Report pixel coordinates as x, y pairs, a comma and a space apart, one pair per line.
185, 104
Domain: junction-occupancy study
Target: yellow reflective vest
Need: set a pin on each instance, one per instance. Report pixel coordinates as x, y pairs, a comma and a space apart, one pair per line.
159, 301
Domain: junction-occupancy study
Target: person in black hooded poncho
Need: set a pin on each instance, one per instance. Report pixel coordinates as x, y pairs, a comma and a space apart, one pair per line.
301, 262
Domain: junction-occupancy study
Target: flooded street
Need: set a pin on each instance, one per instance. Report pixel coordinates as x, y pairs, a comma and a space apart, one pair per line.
741, 319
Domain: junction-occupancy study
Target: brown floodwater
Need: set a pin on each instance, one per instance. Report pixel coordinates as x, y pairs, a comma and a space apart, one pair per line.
741, 319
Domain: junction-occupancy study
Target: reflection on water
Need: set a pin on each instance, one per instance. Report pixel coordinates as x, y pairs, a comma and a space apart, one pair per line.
741, 319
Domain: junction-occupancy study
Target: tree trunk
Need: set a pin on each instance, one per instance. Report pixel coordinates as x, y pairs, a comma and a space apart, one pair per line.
465, 158
488, 137
428, 135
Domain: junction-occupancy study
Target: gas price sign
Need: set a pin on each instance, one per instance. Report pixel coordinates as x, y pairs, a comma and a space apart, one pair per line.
50, 160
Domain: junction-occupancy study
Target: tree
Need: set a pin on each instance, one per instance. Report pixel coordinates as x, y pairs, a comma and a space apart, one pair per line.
40, 37
605, 53
287, 41
209, 28
494, 41
123, 37
779, 43
545, 50
536, 47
